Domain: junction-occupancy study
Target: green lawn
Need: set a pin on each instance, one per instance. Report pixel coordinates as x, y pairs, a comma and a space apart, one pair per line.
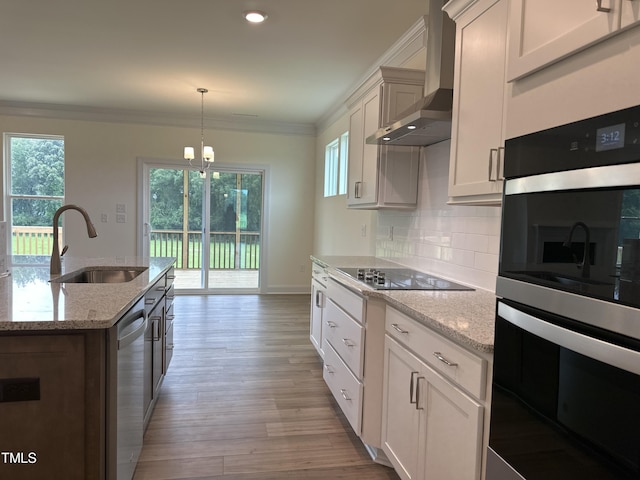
221, 253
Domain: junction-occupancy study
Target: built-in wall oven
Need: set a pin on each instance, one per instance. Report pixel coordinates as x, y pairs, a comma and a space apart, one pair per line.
566, 383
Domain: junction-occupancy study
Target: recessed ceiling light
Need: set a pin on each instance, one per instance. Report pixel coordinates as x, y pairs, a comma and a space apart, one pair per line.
255, 16
411, 127
386, 139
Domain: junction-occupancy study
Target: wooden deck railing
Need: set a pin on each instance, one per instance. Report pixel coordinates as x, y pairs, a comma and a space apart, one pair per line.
229, 250
33, 240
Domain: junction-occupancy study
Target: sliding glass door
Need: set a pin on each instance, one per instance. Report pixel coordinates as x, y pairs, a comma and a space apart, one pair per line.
212, 224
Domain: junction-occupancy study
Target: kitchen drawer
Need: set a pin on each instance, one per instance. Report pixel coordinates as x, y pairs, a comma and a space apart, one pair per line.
345, 335
350, 302
444, 356
346, 388
154, 294
168, 300
170, 277
168, 337
319, 274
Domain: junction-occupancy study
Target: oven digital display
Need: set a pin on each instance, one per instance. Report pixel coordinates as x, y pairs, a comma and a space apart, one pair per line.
610, 138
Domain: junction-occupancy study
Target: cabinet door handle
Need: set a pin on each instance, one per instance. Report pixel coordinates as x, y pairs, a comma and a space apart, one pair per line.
156, 328
600, 8
398, 329
448, 363
331, 324
319, 299
349, 343
493, 152
418, 407
411, 389
357, 192
327, 367
344, 395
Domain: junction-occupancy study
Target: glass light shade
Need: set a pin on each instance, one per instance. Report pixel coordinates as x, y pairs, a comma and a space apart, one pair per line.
189, 154
207, 153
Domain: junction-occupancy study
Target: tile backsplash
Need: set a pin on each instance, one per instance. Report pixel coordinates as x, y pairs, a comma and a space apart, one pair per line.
454, 241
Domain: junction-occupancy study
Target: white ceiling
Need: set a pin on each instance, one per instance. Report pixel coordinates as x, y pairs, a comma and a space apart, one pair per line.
151, 55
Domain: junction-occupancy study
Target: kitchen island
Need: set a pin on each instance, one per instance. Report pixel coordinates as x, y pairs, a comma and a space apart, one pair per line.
66, 384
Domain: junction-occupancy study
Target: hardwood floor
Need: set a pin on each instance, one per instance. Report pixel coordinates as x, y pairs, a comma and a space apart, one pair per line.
244, 399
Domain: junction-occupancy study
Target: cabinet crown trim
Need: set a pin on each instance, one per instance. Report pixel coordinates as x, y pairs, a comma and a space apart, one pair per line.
455, 8
405, 76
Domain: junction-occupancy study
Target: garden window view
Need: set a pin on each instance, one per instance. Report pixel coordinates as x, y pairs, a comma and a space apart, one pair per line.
36, 190
216, 242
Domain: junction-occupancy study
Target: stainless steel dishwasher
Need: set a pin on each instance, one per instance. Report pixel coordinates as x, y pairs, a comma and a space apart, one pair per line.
125, 393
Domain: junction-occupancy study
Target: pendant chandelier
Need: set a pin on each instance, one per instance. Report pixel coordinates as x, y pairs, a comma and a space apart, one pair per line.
206, 152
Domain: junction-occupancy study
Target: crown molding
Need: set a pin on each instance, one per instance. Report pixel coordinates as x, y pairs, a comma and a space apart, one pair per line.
67, 112
405, 48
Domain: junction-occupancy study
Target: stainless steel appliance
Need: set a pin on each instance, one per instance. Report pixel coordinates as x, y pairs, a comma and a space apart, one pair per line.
428, 121
400, 279
566, 383
126, 384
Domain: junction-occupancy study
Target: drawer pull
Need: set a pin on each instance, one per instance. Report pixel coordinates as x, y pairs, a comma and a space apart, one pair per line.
448, 363
171, 277
344, 395
348, 343
413, 374
331, 324
149, 301
327, 367
398, 329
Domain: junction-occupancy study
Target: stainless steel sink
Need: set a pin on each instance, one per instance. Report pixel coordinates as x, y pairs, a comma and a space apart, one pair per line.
100, 274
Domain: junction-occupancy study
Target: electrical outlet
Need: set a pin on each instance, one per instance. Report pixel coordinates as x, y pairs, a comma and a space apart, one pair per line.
363, 230
121, 218
121, 208
104, 218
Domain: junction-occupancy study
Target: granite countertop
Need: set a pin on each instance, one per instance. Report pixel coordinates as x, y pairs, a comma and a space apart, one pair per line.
28, 301
467, 317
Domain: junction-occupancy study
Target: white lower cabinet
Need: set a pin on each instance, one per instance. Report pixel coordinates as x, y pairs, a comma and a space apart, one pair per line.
431, 428
353, 339
318, 301
346, 388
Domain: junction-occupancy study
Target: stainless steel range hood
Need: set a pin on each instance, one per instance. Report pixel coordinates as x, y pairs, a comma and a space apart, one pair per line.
428, 121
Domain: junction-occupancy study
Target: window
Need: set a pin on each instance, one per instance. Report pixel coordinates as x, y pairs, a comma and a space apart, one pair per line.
35, 190
335, 166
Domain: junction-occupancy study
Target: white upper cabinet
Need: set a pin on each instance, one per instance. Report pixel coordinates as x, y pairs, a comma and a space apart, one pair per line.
546, 31
477, 132
379, 176
629, 13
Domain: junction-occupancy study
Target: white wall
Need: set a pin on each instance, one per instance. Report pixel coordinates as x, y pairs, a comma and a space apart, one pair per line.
101, 171
337, 229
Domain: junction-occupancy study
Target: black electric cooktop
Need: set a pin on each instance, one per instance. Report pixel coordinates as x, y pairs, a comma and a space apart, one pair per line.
400, 279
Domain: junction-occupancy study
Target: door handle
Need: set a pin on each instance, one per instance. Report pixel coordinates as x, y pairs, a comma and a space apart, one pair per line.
411, 389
